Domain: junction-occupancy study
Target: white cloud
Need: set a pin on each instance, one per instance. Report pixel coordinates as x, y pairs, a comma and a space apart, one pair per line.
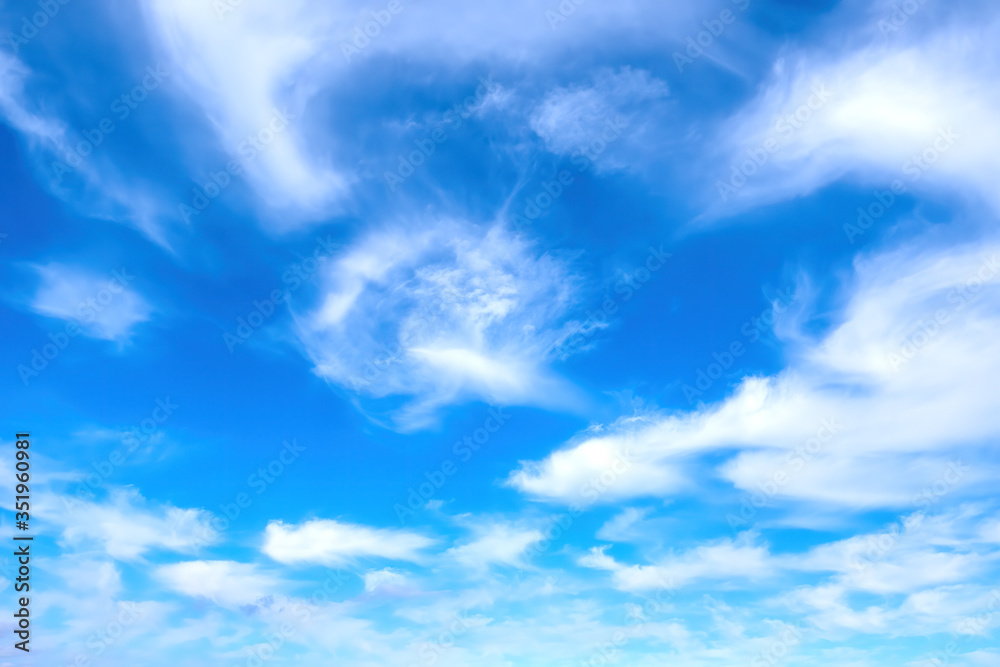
332, 542
917, 552
496, 544
226, 583
520, 29
625, 526
722, 559
832, 609
888, 386
385, 578
91, 577
104, 307
889, 102
107, 194
585, 119
924, 568
237, 69
13, 76
124, 527
443, 315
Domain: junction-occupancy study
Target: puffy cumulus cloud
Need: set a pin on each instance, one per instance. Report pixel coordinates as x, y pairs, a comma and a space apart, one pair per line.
902, 380
106, 307
600, 468
226, 583
585, 119
386, 578
125, 526
441, 315
331, 542
496, 544
917, 108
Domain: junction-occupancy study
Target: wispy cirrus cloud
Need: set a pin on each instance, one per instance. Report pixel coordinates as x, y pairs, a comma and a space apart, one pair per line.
585, 118
105, 307
234, 71
105, 192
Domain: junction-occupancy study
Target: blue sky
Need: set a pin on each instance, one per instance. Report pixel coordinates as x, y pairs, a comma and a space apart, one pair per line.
504, 333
